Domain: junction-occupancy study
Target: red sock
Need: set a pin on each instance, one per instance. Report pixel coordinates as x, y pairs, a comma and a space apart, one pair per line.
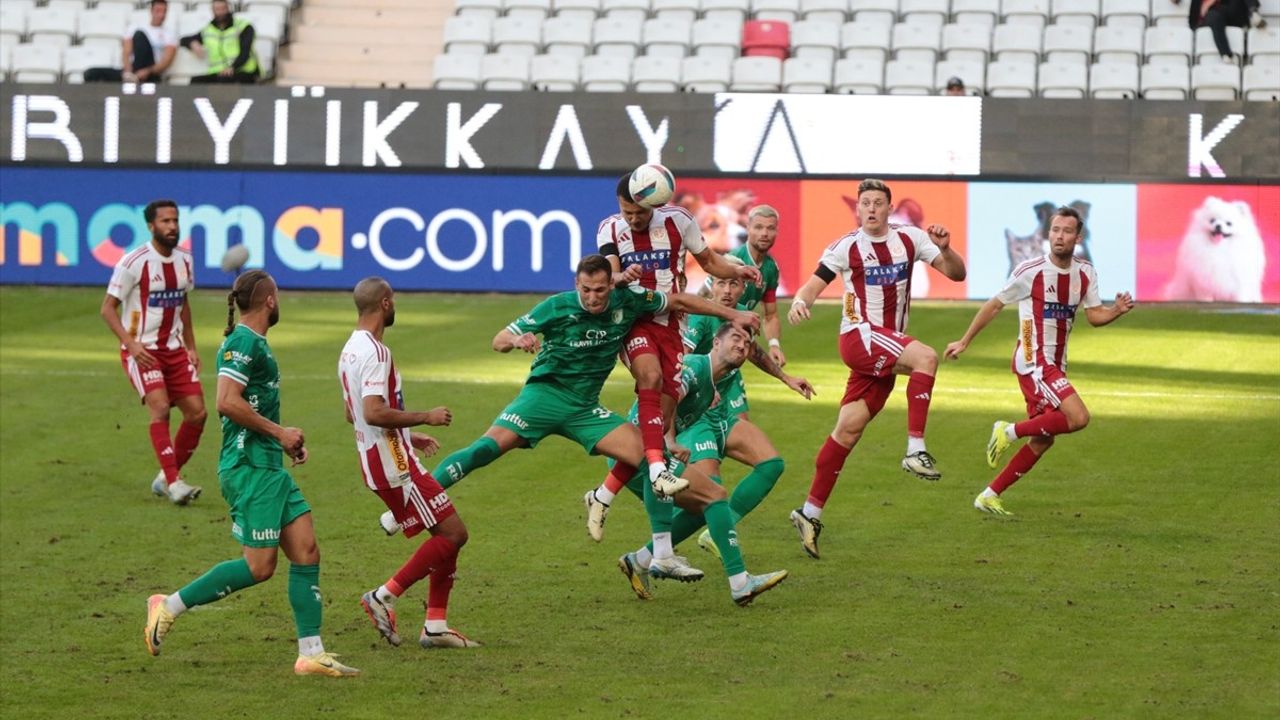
919, 393
1048, 424
830, 460
650, 411
164, 450
618, 477
432, 554
186, 442
441, 585
1020, 465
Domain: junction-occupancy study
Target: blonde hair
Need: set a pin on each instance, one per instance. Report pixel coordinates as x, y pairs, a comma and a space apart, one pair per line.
872, 184
762, 211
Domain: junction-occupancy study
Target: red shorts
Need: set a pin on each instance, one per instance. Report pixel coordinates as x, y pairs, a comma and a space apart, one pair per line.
1044, 389
419, 505
649, 338
175, 374
871, 364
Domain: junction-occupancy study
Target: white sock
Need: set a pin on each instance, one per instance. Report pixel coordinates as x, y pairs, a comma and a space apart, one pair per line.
655, 469
914, 444
1010, 432
738, 581
989, 493
385, 596
811, 511
662, 546
310, 645
604, 496
644, 557
174, 605
436, 626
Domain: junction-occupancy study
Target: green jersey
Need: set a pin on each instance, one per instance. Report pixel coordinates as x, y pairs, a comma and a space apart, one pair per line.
699, 397
753, 294
246, 358
580, 349
700, 333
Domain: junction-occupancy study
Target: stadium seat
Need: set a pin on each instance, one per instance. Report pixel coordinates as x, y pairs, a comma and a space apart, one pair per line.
908, 77
1215, 81
569, 36
1118, 43
268, 22
1207, 50
881, 11
868, 40
1168, 45
1270, 10
917, 42
1264, 45
54, 26
517, 36
1113, 81
577, 10
36, 63
104, 21
455, 72
974, 75
815, 39
655, 73
13, 23
189, 22
667, 36
925, 12
834, 12
783, 11
553, 73
729, 10
976, 12
706, 74
1064, 80
606, 73
1068, 43
1168, 13
859, 76
534, 11
766, 38
686, 10
1014, 43
1083, 13
6, 56
807, 75
1165, 81
1261, 82
966, 41
614, 36
717, 38
75, 60
504, 72
487, 9
1011, 78
468, 34
266, 52
756, 74
1026, 12
1129, 13
632, 11
127, 4
75, 7
186, 66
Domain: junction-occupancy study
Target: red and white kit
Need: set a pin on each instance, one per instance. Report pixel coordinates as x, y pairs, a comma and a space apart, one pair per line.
387, 461
1047, 298
660, 252
152, 289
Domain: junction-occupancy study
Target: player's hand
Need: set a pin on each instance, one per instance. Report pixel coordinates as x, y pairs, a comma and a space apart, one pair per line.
291, 440
799, 312
301, 456
954, 349
193, 357
629, 275
145, 360
801, 386
227, 72
776, 355
439, 416
680, 452
529, 343
940, 236
750, 274
745, 319
427, 444
1124, 303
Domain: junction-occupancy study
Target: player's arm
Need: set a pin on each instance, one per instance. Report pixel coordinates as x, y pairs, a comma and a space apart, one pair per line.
165, 59
808, 293
110, 312
621, 278
189, 335
948, 262
232, 405
770, 367
379, 414
506, 341
988, 312
1100, 315
686, 302
773, 332
716, 266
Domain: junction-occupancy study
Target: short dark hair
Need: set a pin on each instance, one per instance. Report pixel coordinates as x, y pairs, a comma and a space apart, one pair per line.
149, 213
592, 264
159, 2
725, 328
1071, 213
873, 184
624, 188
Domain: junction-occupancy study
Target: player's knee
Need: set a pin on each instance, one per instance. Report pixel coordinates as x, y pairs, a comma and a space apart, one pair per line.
926, 360
1077, 418
457, 534
649, 379
196, 417
715, 493
262, 569
1040, 444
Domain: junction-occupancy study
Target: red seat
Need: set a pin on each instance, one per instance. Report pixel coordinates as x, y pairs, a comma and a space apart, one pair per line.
766, 38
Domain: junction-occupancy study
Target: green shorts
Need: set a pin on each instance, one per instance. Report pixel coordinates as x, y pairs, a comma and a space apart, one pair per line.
262, 501
543, 409
735, 399
705, 439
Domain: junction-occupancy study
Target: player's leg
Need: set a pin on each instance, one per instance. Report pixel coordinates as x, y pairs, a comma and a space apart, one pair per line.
1019, 465
187, 439
749, 445
1053, 408
624, 444
298, 541
493, 444
920, 363
598, 500
642, 354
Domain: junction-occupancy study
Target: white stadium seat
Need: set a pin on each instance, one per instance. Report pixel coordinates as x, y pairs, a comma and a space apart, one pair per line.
1118, 43
815, 39
488, 9
974, 75
834, 12
1068, 43
633, 11
1167, 12
532, 10
786, 11
614, 36
36, 63
567, 35
52, 26
75, 60
1064, 80
859, 76
585, 10
1113, 81
655, 73
728, 10
1264, 45
606, 73
468, 34
1076, 12
1168, 45
686, 10
756, 74
706, 74
928, 12
517, 36
1261, 82
964, 41
806, 75
1011, 78
185, 66
104, 21
268, 21
1128, 13
882, 11
1165, 81
1207, 50
917, 43
976, 12
504, 72
717, 38
1014, 43
1026, 12
667, 36
456, 72
1215, 81
869, 40
908, 77
553, 73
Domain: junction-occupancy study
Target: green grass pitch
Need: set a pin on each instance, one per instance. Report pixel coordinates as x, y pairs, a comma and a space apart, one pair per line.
1139, 579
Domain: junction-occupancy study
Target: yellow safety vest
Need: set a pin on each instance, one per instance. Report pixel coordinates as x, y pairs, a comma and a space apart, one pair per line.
223, 47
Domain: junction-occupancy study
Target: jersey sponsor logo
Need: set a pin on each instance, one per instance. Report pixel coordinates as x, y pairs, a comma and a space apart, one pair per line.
166, 298
1060, 384
266, 534
737, 402
235, 356
514, 419
151, 376
648, 260
851, 307
397, 450
438, 501
1026, 341
410, 522
706, 446
886, 274
637, 342
1059, 311
593, 338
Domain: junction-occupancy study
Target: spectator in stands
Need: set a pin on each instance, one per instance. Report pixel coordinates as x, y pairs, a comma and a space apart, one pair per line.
955, 86
227, 44
1218, 14
147, 51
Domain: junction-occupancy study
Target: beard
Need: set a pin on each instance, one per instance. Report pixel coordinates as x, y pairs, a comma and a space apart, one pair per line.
165, 242
274, 317
389, 319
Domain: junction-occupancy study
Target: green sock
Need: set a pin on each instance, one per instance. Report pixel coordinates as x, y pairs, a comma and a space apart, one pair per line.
470, 458
720, 523
658, 509
304, 596
220, 581
754, 487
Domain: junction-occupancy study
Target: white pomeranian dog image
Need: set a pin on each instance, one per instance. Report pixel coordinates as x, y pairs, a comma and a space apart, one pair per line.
1221, 257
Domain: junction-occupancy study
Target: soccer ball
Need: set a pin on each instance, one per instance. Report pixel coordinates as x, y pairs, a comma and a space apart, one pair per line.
652, 185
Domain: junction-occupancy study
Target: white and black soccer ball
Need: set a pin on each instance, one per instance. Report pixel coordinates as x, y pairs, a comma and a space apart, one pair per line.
652, 185
235, 258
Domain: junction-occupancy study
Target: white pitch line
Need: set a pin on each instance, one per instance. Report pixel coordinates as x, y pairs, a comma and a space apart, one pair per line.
1252, 397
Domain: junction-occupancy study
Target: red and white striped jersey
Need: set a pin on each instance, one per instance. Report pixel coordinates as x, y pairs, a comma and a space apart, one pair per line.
152, 289
659, 251
877, 275
366, 369
1047, 298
